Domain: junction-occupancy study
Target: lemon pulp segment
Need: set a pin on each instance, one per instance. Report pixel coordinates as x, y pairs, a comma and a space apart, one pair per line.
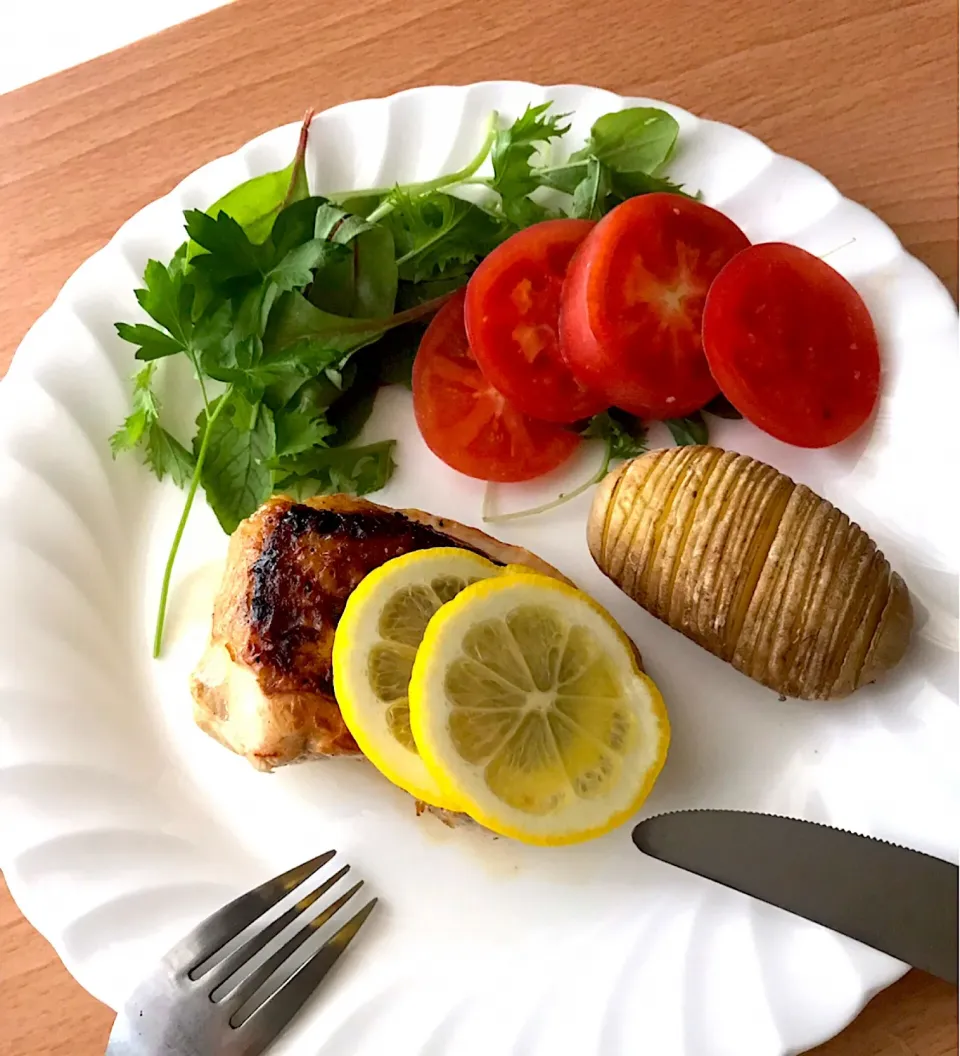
527, 704
373, 653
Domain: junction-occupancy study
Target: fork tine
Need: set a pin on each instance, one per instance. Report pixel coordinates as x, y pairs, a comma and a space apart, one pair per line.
226, 923
222, 971
245, 988
266, 1021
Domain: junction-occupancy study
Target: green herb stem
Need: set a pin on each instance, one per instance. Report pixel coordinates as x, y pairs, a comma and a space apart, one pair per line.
560, 500
429, 186
178, 535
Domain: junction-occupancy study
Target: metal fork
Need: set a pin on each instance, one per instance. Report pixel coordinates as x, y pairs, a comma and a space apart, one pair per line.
194, 1005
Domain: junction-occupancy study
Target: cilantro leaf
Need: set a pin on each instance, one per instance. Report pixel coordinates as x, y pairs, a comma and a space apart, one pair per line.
352, 470
688, 431
236, 474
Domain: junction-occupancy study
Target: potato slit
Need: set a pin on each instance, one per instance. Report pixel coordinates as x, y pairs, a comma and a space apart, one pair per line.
682, 463
892, 635
687, 527
788, 629
855, 603
713, 591
754, 658
632, 521
844, 674
780, 492
608, 513
807, 625
634, 554
690, 586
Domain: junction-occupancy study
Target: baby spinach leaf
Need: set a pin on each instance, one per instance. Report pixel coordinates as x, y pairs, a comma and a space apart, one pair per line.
298, 327
257, 201
363, 281
639, 139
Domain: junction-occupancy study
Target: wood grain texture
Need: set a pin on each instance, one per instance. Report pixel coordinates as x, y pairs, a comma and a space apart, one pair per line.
865, 91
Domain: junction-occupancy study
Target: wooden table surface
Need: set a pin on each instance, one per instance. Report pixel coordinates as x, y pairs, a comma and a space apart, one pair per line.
864, 91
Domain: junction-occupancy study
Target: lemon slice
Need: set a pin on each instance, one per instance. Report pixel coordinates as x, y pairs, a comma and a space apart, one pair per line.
373, 652
528, 707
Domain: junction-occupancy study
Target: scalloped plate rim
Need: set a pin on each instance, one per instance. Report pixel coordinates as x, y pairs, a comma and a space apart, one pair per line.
20, 369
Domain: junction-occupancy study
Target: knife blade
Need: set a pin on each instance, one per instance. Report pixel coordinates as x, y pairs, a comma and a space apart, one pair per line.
896, 900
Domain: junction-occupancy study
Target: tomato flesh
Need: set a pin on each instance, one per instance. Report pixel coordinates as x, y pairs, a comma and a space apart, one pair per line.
512, 317
792, 345
633, 303
466, 422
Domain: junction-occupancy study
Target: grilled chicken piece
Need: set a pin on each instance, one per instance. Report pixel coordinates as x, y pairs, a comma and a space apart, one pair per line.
264, 686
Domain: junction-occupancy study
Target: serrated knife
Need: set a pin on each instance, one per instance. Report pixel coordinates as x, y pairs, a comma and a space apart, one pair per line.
899, 901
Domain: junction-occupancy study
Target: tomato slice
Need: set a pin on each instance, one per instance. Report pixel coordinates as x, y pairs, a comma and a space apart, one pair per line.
466, 422
792, 345
512, 315
633, 303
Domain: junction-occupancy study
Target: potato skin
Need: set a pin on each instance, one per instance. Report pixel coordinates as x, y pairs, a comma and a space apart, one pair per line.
759, 570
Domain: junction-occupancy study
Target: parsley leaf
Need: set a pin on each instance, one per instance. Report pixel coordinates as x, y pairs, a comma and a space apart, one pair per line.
162, 452
145, 411
165, 455
354, 470
298, 430
689, 431
236, 474
152, 343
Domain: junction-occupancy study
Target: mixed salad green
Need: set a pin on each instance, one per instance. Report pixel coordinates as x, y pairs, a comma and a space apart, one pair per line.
293, 308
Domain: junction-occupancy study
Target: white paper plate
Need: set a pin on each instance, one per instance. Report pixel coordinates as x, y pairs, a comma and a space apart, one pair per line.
121, 824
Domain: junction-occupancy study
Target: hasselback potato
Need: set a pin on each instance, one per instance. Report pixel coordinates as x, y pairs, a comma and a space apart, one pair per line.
759, 570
